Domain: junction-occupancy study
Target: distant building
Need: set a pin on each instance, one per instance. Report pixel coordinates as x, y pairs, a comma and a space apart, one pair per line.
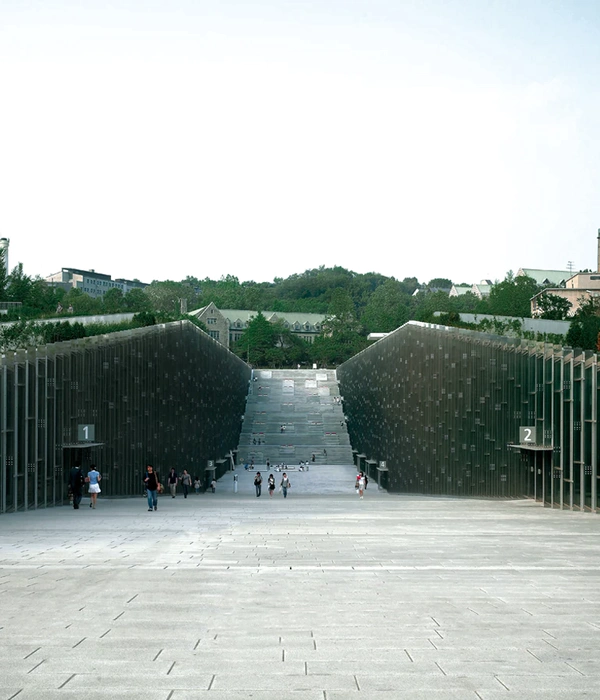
228, 325
426, 289
546, 278
4, 244
92, 283
480, 290
576, 288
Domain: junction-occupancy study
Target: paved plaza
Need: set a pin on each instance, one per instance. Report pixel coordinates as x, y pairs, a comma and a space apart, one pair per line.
320, 596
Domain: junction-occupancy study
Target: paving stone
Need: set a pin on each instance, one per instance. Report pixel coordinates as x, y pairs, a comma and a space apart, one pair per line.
317, 597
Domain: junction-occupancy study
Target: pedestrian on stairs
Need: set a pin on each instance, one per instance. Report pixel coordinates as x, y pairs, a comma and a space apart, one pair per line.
285, 484
258, 484
360, 480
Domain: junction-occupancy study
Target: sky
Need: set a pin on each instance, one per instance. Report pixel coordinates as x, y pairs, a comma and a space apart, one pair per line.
161, 139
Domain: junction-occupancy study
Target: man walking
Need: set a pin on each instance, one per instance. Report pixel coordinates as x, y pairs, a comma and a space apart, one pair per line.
285, 484
258, 484
76, 482
172, 481
152, 484
186, 482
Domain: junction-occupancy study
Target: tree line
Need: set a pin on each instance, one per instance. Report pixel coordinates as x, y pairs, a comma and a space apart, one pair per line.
354, 304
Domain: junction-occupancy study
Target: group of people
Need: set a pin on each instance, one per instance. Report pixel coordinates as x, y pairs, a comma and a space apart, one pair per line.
153, 486
185, 480
284, 484
59, 308
77, 482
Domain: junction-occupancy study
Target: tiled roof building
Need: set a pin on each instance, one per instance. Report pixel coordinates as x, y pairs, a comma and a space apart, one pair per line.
228, 325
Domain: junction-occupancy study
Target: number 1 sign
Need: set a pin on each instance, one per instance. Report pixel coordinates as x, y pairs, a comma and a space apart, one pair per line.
86, 433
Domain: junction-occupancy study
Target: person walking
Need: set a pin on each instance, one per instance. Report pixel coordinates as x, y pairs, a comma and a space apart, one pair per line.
152, 484
361, 484
172, 481
271, 481
76, 482
93, 479
213, 485
197, 485
258, 484
186, 482
285, 484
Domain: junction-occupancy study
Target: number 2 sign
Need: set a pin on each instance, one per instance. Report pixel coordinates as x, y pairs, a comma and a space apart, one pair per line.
527, 435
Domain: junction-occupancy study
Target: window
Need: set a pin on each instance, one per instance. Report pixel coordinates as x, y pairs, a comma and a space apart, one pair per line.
211, 321
214, 334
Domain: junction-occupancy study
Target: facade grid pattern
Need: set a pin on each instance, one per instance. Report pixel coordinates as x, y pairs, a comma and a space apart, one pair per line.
442, 408
165, 395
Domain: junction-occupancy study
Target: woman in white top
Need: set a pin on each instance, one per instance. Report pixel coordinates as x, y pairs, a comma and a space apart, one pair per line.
361, 484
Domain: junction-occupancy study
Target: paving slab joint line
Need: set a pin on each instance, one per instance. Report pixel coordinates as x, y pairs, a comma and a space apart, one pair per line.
68, 679
36, 666
15, 695
501, 683
575, 669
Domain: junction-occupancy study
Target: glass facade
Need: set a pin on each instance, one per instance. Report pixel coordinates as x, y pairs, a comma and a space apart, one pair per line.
440, 410
167, 395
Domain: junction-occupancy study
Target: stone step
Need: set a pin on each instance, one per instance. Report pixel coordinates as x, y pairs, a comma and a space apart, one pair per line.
307, 403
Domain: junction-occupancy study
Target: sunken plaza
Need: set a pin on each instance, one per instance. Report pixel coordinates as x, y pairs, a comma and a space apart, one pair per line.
469, 570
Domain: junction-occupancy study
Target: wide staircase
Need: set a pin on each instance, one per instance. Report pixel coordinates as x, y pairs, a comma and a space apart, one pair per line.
294, 416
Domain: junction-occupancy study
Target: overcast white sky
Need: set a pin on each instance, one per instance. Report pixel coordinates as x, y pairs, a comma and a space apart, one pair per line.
158, 139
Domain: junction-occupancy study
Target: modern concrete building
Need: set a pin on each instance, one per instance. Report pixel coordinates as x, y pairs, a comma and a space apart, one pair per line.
439, 410
228, 325
92, 283
165, 395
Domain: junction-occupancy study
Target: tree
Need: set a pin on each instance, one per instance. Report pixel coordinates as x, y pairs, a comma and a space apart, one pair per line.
440, 283
292, 349
135, 300
341, 337
553, 306
387, 308
341, 316
427, 304
82, 303
19, 285
165, 296
585, 326
334, 349
113, 300
512, 296
256, 341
